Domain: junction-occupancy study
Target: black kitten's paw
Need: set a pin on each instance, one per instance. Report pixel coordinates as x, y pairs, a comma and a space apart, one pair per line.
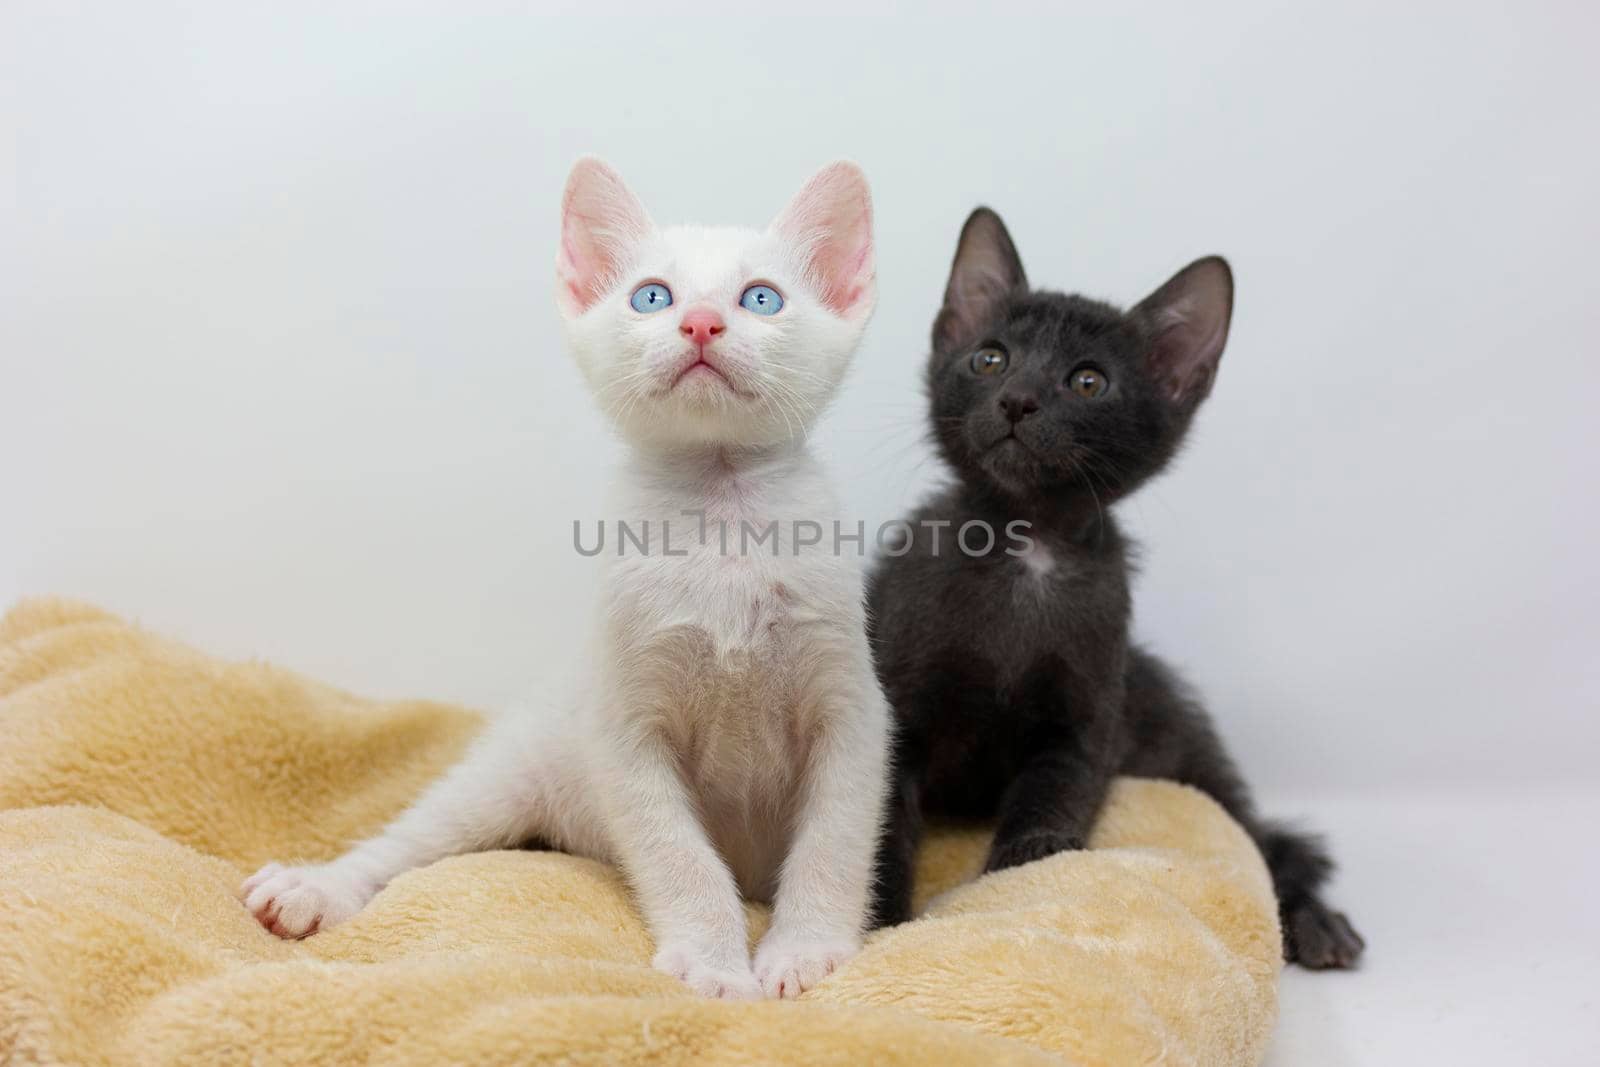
1319, 938
1015, 851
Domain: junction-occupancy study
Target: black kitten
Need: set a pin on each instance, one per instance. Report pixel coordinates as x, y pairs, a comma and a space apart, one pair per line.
1016, 691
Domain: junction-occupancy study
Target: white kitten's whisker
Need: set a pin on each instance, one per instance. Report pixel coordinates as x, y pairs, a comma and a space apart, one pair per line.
784, 399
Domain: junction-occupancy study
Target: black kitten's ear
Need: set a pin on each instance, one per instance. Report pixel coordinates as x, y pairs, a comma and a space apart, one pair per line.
986, 272
1187, 322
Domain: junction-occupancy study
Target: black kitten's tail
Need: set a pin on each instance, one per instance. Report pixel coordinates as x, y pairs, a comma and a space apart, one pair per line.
1171, 736
1314, 935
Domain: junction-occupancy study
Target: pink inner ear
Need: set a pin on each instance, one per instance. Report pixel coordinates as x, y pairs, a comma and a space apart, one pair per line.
575, 276
847, 295
1184, 356
601, 222
831, 219
1189, 318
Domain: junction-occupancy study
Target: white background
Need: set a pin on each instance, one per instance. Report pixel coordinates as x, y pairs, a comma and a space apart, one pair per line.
280, 373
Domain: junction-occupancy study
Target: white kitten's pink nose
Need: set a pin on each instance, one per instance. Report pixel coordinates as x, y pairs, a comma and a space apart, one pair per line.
701, 324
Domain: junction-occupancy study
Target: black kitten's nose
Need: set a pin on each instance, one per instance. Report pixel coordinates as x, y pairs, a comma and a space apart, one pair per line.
1017, 407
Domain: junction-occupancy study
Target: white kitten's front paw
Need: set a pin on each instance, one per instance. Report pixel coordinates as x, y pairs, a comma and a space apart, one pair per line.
787, 966
693, 966
295, 902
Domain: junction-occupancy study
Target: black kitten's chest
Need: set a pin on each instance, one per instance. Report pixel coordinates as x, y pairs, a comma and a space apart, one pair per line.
984, 731
991, 662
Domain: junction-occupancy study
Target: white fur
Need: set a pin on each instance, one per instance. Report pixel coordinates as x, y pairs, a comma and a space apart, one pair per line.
731, 737
1039, 560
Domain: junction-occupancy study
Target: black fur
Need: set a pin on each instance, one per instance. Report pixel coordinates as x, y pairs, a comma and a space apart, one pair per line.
1016, 692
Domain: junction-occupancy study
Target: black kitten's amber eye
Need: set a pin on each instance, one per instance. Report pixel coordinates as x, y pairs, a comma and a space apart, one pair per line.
1088, 382
989, 360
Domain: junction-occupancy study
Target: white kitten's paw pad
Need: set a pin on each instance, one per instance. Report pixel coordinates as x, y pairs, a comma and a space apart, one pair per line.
693, 967
786, 968
295, 902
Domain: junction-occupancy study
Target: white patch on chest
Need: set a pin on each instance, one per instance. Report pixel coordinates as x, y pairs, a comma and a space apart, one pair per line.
1038, 561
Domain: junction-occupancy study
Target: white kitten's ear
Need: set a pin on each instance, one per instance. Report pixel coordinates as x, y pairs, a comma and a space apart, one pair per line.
831, 220
601, 223
985, 274
1187, 322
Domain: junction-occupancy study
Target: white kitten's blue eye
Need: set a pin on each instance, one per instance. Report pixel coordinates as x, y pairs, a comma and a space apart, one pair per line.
762, 299
651, 297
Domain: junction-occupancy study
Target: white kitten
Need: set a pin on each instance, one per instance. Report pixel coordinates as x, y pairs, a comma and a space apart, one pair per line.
733, 738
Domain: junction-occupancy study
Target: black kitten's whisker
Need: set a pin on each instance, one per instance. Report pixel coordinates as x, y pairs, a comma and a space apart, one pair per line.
1088, 483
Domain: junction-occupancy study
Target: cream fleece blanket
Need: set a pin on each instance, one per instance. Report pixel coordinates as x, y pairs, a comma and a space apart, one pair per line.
140, 781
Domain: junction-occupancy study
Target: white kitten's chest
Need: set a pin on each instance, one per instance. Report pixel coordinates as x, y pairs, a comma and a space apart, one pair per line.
727, 563
718, 618
746, 612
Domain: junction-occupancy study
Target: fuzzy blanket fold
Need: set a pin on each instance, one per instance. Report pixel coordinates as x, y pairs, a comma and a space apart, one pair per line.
141, 780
